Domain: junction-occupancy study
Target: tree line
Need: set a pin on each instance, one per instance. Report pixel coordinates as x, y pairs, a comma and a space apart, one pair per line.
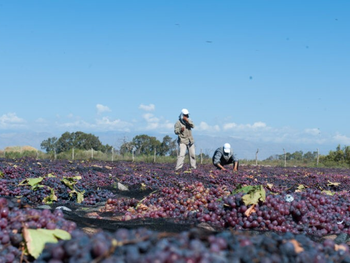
74, 140
340, 156
145, 145
140, 144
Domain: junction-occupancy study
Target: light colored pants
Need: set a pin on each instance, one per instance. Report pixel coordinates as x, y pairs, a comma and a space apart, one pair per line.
181, 156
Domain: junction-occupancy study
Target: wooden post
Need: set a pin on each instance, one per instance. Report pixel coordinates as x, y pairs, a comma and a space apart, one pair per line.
73, 153
318, 157
112, 154
92, 153
285, 158
201, 157
256, 157
155, 153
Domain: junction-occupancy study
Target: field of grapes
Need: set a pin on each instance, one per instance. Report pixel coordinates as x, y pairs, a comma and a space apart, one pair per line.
92, 211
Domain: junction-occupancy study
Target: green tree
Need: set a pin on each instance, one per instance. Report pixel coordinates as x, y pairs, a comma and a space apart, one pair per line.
298, 155
126, 147
145, 144
168, 146
87, 141
336, 156
65, 142
309, 156
347, 154
49, 145
78, 140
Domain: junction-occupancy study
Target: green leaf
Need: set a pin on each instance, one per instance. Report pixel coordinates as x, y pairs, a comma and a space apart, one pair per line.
301, 187
332, 184
33, 182
263, 193
256, 194
51, 175
243, 189
327, 192
143, 186
51, 198
36, 238
80, 195
70, 181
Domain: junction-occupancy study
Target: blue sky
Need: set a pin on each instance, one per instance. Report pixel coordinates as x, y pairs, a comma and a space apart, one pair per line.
264, 71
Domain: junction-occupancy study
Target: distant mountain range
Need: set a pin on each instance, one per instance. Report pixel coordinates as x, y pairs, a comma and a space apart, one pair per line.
243, 149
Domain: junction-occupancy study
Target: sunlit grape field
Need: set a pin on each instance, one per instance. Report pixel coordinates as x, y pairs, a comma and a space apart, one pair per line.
146, 212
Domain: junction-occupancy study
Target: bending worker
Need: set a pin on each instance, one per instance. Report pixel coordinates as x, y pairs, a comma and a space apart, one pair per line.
223, 156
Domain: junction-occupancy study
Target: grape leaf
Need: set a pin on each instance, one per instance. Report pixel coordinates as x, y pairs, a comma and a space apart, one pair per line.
70, 181
36, 238
50, 198
301, 187
243, 189
254, 194
327, 192
80, 195
332, 184
33, 182
270, 186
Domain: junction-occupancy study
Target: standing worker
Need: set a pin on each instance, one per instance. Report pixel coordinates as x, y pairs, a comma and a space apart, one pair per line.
182, 129
223, 156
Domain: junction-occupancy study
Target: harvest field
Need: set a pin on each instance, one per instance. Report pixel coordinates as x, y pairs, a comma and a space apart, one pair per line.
145, 212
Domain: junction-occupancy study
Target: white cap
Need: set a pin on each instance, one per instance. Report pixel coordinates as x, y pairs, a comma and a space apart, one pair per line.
227, 148
185, 112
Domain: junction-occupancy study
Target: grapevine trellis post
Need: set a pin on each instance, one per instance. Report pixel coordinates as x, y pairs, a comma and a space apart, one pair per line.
318, 157
155, 153
256, 157
285, 158
73, 153
112, 154
201, 157
92, 153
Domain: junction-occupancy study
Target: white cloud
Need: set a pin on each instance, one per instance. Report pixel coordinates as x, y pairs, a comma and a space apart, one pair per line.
78, 124
101, 108
103, 124
150, 107
106, 124
40, 120
254, 126
11, 120
152, 121
313, 131
230, 126
342, 139
203, 126
258, 124
155, 123
149, 117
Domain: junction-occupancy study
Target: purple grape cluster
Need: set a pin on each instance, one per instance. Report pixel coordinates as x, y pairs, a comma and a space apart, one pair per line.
14, 217
141, 245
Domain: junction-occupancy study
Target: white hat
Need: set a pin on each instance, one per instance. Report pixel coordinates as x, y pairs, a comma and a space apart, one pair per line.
227, 148
185, 112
